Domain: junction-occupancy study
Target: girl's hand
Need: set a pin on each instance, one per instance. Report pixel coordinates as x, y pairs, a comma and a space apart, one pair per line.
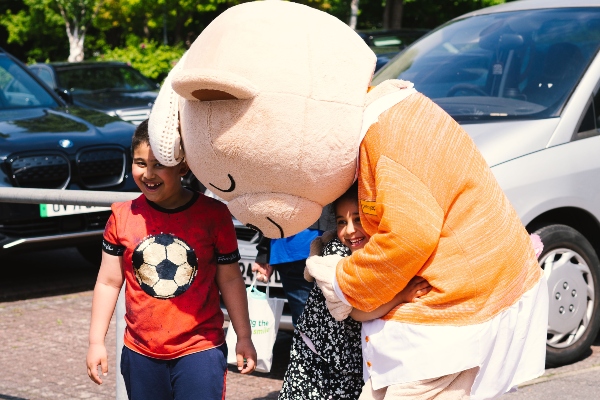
416, 287
245, 350
96, 356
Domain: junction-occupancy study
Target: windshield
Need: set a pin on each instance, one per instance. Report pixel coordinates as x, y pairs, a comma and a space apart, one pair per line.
19, 90
521, 64
102, 78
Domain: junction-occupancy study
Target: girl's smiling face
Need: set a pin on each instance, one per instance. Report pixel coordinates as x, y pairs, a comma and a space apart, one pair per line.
349, 229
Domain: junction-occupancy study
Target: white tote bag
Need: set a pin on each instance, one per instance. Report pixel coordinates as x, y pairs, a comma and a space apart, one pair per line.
265, 314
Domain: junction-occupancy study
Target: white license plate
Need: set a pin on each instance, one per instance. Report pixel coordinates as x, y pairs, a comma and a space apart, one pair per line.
56, 210
246, 268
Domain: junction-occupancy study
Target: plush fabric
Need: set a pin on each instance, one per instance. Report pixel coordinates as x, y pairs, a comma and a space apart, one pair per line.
297, 81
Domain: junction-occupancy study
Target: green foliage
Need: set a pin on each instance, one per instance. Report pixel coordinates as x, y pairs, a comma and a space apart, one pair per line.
150, 58
34, 30
29, 24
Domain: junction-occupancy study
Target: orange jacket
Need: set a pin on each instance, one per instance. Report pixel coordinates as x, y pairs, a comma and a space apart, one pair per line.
434, 209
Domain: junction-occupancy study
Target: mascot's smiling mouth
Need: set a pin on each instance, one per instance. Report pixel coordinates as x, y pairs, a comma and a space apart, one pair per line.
231, 187
271, 221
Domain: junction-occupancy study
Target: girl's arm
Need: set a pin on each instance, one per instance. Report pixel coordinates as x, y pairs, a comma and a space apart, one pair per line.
108, 284
416, 287
233, 291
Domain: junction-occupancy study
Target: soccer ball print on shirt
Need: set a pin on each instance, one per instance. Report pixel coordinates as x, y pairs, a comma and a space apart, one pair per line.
165, 266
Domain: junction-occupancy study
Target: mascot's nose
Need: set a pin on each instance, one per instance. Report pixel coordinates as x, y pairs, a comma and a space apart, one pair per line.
276, 215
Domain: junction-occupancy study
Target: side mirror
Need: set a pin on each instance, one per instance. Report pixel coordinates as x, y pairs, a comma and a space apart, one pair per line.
65, 94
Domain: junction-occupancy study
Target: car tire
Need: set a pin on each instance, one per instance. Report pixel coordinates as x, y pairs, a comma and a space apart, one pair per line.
92, 252
572, 269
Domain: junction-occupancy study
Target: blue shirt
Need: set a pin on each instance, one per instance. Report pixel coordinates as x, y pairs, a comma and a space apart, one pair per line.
293, 248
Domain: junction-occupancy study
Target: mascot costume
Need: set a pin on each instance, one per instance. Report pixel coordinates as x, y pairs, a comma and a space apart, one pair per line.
270, 108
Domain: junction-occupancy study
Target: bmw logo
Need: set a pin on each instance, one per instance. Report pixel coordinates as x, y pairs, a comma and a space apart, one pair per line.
65, 143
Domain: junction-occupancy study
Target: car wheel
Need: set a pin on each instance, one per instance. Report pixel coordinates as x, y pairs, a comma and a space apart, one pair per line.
572, 269
92, 252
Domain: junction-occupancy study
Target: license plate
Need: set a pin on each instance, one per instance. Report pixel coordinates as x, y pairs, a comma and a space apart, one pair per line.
56, 210
246, 268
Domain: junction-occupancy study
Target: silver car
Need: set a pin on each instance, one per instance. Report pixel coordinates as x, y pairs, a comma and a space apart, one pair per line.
523, 80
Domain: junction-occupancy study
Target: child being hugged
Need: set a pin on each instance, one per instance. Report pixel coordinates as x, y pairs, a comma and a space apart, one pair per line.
176, 250
326, 357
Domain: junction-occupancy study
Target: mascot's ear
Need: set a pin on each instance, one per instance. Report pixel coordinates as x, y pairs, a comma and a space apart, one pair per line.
209, 85
163, 124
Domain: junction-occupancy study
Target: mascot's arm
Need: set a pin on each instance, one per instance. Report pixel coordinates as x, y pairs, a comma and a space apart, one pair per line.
410, 222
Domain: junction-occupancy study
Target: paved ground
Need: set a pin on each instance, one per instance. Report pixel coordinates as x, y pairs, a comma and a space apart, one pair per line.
45, 301
44, 343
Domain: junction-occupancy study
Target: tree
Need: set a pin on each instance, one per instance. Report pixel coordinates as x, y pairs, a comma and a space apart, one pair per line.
392, 14
28, 25
77, 15
353, 13
99, 26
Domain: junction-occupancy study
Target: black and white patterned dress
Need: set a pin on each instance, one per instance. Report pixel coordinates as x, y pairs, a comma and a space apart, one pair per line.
336, 372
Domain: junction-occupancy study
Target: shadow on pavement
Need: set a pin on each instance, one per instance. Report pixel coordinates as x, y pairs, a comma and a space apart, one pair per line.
281, 358
36, 274
6, 397
270, 396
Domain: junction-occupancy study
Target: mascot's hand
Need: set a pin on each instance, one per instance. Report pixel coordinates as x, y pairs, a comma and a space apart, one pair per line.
316, 249
323, 270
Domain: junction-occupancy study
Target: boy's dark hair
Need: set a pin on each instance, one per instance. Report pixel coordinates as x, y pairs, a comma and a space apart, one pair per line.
350, 194
140, 136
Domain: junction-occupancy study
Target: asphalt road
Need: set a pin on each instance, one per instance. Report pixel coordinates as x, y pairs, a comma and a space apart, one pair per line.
45, 300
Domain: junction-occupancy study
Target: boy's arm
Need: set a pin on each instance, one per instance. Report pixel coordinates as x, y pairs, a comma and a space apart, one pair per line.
233, 291
108, 284
417, 287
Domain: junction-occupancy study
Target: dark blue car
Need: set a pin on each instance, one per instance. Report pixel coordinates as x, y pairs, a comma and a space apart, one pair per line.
47, 143
114, 88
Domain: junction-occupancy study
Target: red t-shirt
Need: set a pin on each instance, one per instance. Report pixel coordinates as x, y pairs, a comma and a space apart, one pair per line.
170, 260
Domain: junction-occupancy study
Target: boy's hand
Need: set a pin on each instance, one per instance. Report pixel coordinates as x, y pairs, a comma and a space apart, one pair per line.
263, 270
244, 349
96, 356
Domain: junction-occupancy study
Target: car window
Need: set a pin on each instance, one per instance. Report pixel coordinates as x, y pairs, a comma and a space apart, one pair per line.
102, 78
44, 75
589, 125
521, 64
19, 90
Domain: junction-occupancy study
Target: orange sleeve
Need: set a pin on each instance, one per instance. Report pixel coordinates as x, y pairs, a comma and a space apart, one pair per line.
409, 230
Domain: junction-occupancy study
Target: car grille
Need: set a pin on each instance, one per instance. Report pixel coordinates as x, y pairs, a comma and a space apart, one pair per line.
94, 168
46, 171
101, 168
134, 116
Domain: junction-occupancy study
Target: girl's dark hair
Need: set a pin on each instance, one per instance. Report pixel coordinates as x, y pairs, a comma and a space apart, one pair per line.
140, 136
350, 194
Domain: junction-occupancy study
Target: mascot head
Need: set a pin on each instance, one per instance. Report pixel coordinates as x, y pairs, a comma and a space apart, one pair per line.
267, 105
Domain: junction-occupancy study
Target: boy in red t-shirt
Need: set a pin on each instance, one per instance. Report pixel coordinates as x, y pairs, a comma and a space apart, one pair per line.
176, 250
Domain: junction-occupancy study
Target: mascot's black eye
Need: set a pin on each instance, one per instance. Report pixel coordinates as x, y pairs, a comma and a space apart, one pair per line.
277, 225
231, 187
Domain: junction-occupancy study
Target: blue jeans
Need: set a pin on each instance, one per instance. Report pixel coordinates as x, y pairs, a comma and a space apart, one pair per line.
296, 288
195, 376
